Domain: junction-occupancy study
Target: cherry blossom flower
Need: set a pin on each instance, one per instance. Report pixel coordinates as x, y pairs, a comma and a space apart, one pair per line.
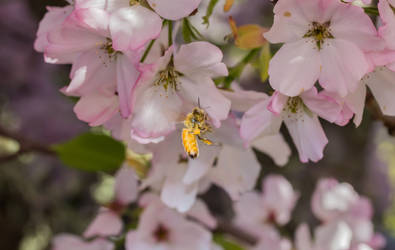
255, 212
180, 179
170, 88
85, 39
163, 228
108, 221
338, 203
300, 115
68, 241
333, 236
325, 41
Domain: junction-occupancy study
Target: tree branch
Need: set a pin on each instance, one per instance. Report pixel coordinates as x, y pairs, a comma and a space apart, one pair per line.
26, 146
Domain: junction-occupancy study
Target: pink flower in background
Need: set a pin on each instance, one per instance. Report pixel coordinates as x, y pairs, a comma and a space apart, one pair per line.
324, 40
256, 212
271, 240
68, 241
300, 115
163, 228
338, 204
173, 86
108, 221
333, 236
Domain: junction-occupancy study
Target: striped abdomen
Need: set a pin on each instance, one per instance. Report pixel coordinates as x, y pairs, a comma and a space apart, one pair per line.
190, 143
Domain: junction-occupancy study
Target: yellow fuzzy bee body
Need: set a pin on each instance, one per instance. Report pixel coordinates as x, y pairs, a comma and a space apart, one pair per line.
195, 127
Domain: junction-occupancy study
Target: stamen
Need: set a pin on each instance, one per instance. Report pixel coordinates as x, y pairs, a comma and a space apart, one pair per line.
319, 32
161, 233
109, 50
168, 78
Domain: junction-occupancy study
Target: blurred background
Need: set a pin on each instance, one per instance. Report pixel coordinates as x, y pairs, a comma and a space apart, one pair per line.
39, 197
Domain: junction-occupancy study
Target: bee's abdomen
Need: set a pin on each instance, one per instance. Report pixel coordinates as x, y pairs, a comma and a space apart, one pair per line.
190, 143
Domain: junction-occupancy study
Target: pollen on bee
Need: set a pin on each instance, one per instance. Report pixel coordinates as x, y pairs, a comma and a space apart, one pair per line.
287, 14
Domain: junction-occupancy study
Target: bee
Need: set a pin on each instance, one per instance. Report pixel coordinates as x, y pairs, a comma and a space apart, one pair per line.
195, 127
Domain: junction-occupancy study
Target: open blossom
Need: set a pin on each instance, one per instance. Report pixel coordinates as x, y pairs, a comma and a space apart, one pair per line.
300, 115
256, 212
339, 206
101, 68
180, 179
163, 228
325, 40
173, 86
108, 221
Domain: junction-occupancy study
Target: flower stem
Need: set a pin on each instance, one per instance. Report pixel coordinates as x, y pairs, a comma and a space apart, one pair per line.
146, 52
170, 35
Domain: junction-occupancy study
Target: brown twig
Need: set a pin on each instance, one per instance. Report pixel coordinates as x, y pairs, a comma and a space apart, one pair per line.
26, 146
236, 232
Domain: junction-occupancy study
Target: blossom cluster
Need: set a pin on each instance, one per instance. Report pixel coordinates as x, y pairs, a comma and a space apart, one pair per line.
135, 78
345, 220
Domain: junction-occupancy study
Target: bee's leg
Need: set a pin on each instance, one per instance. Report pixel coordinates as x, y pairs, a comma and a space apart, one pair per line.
205, 140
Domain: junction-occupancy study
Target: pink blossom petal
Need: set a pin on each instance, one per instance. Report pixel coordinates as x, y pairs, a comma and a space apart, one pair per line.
387, 30
301, 62
308, 136
199, 167
382, 84
132, 27
350, 23
203, 90
200, 58
127, 76
96, 108
52, 20
279, 198
275, 146
356, 102
323, 105
237, 170
156, 112
277, 103
335, 236
92, 19
290, 23
106, 223
343, 66
259, 120
126, 185
174, 9
242, 100
303, 238
92, 69
175, 193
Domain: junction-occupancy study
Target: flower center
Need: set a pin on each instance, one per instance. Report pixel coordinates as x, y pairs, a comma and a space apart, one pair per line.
161, 234
167, 78
319, 32
294, 104
109, 50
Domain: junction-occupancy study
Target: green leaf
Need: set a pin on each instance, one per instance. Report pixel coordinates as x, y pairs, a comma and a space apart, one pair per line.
225, 243
209, 12
264, 59
92, 152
